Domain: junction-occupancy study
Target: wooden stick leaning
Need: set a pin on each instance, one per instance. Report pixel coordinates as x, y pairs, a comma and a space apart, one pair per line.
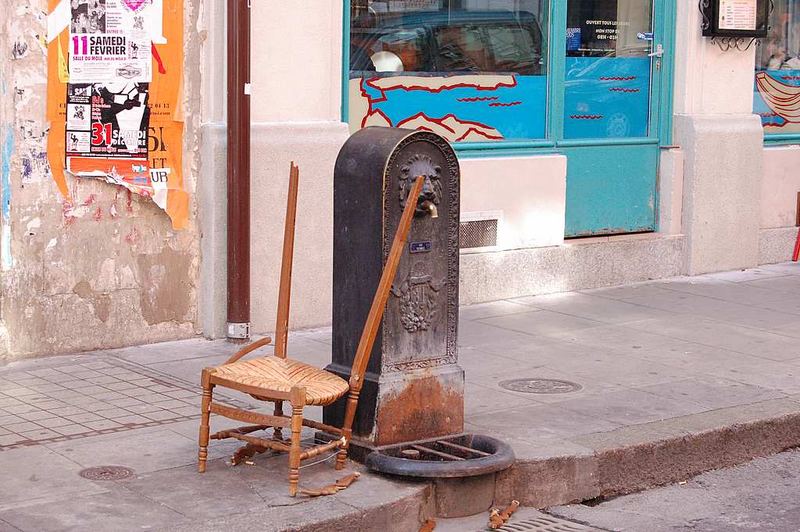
284, 294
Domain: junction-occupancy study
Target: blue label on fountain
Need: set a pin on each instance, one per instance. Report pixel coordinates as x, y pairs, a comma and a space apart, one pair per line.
420, 247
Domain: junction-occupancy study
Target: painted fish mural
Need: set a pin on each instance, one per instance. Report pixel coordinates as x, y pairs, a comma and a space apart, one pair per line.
777, 100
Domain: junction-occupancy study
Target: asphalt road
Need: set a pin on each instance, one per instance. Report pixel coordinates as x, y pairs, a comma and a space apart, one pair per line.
762, 495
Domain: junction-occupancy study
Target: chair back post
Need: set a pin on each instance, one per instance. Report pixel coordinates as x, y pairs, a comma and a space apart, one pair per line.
285, 289
364, 349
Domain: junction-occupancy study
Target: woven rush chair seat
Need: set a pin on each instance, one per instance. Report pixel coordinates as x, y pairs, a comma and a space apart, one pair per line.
281, 375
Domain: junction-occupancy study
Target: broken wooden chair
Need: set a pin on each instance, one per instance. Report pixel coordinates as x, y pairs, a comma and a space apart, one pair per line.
278, 379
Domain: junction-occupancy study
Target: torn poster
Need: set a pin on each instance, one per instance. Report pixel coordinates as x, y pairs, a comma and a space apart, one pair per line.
148, 14
105, 44
107, 120
113, 115
33, 152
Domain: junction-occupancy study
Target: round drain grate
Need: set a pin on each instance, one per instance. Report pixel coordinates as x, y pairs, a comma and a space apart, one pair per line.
111, 472
540, 386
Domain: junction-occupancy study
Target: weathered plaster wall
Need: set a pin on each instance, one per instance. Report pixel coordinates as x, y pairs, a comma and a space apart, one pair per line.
106, 270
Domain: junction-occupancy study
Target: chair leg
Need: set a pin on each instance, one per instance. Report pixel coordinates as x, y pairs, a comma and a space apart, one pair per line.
276, 431
298, 400
341, 456
205, 418
347, 428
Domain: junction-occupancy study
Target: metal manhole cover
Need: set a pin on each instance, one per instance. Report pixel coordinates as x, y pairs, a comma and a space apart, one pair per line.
542, 386
106, 473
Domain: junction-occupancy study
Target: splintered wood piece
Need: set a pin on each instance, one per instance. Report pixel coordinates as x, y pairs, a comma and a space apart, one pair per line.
428, 526
509, 511
246, 451
330, 489
495, 521
345, 482
326, 490
498, 518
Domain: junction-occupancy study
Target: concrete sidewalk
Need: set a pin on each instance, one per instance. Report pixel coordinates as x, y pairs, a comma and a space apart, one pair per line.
663, 380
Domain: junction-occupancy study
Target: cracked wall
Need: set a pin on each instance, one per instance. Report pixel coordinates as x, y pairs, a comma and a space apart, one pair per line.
107, 270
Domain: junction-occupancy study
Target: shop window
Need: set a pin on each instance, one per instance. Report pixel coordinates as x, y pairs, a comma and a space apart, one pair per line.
607, 69
469, 70
777, 76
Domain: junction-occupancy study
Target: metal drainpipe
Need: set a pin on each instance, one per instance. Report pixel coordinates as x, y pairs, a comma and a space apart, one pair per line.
238, 37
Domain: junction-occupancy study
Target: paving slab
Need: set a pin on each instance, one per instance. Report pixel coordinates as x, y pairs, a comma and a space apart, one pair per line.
36, 475
751, 274
144, 450
541, 322
711, 393
492, 309
760, 495
672, 378
747, 293
114, 509
709, 332
592, 307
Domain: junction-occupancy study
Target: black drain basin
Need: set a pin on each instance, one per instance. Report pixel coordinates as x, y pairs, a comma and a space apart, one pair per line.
106, 473
465, 455
540, 386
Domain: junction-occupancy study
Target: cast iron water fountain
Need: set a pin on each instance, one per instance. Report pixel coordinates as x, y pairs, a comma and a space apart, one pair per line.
410, 420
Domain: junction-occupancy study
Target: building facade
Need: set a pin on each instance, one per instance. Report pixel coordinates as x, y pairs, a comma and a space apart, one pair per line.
600, 141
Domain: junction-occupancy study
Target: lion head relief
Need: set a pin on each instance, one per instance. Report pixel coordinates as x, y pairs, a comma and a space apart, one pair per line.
421, 165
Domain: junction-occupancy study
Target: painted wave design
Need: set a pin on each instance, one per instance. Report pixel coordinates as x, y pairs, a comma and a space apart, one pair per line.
472, 108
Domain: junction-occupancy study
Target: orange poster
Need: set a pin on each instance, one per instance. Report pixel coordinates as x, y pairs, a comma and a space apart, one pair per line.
114, 97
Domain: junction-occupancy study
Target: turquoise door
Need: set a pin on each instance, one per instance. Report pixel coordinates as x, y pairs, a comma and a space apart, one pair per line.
611, 122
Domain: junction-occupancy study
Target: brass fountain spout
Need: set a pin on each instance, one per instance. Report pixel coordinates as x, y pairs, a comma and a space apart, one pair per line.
430, 207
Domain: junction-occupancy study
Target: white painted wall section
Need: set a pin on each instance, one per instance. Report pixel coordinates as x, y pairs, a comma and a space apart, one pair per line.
296, 60
780, 186
529, 191
708, 80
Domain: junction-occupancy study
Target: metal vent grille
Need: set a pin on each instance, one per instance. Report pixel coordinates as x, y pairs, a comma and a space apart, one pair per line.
545, 524
478, 233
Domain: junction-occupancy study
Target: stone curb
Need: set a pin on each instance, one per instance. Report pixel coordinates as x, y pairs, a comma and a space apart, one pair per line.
405, 514
618, 462
640, 457
327, 514
599, 465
